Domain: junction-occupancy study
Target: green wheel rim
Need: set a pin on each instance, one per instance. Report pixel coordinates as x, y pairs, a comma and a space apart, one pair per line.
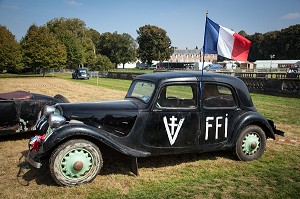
76, 163
251, 143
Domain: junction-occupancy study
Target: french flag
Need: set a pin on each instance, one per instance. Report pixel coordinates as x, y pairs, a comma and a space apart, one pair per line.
222, 41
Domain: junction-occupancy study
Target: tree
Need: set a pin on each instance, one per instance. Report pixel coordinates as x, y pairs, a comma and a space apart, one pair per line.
119, 48
96, 38
285, 44
127, 49
102, 63
74, 50
42, 50
154, 44
10, 51
76, 37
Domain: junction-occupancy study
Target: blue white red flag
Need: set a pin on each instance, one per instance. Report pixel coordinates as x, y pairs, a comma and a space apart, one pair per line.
223, 41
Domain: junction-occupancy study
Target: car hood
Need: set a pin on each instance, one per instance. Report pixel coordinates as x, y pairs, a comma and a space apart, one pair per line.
118, 116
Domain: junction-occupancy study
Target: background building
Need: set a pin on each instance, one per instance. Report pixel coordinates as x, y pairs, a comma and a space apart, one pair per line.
193, 55
275, 64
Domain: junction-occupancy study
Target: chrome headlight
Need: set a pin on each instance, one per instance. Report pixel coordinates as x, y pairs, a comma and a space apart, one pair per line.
48, 110
56, 120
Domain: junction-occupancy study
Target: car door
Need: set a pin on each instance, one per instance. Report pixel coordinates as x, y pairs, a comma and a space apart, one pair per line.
173, 122
219, 108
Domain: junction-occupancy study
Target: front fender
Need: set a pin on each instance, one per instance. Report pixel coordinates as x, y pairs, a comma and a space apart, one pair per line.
251, 118
69, 130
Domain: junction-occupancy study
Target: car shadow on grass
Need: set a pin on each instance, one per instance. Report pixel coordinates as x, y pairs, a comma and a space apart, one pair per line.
27, 173
42, 176
122, 165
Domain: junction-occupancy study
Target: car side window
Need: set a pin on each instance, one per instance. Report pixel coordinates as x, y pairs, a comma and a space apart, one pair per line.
215, 95
177, 96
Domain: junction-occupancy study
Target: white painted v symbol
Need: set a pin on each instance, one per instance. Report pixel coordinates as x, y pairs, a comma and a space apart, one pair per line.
172, 137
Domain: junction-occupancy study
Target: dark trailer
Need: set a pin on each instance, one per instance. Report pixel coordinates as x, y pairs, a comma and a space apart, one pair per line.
176, 65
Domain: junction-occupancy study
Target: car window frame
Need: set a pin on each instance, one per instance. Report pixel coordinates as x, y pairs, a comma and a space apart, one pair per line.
233, 92
195, 94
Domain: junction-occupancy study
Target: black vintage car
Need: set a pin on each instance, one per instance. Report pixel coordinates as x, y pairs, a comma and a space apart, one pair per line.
80, 73
20, 110
162, 114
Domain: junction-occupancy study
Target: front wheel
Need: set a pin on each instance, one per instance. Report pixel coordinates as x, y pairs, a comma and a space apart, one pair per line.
75, 162
251, 143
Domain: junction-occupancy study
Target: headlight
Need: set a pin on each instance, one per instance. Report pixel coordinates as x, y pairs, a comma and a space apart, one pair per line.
48, 110
56, 120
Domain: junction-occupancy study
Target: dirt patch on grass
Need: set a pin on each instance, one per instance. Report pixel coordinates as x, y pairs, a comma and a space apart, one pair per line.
73, 91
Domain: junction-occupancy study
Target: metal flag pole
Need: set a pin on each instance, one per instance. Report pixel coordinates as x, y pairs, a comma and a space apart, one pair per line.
203, 54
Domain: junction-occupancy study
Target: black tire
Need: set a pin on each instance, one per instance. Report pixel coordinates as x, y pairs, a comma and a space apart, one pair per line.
251, 143
61, 98
79, 153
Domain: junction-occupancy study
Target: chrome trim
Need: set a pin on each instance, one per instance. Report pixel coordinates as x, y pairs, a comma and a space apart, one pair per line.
56, 120
31, 161
48, 110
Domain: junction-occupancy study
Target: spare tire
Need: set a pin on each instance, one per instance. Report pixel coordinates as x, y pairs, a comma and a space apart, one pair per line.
61, 98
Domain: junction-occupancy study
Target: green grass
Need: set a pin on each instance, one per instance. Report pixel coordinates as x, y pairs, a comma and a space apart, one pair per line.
116, 84
270, 177
280, 109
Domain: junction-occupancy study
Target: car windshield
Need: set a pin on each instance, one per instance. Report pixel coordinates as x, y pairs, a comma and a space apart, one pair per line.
141, 90
82, 71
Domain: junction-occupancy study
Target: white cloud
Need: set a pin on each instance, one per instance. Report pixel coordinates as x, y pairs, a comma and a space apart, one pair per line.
73, 2
293, 15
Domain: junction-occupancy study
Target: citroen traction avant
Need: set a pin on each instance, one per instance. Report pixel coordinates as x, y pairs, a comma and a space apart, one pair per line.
162, 114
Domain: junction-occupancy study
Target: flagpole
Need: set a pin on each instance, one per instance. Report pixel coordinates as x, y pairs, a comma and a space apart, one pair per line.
203, 54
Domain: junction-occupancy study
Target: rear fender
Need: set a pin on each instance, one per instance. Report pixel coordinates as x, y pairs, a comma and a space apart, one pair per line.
251, 118
67, 131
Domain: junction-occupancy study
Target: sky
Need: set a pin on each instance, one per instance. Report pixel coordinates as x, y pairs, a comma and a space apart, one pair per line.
184, 20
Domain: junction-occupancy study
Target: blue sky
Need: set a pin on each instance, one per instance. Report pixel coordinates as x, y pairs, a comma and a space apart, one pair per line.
183, 20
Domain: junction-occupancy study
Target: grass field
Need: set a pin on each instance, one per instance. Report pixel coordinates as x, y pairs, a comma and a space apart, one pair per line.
210, 175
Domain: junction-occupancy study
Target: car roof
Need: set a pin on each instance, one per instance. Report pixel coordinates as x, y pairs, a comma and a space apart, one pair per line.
186, 76
192, 76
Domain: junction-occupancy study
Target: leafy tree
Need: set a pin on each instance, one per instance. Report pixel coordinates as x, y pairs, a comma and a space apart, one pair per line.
74, 34
96, 37
74, 50
42, 50
89, 51
154, 44
119, 48
102, 63
73, 25
289, 43
127, 49
10, 51
284, 44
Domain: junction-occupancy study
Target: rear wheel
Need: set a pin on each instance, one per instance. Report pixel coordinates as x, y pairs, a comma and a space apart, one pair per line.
251, 143
75, 162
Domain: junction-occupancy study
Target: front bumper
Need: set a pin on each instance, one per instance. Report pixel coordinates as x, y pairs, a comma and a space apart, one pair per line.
33, 158
275, 130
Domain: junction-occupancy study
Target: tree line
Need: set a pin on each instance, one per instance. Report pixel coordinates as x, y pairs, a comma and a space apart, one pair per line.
284, 44
68, 43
